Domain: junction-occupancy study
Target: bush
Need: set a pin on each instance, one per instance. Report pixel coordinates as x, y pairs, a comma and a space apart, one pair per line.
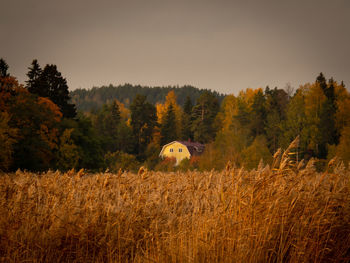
120, 160
167, 165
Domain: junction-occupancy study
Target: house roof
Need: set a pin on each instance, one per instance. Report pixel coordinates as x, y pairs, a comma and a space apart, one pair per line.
195, 148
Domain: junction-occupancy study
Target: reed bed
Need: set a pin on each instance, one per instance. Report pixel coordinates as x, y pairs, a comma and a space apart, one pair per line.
280, 214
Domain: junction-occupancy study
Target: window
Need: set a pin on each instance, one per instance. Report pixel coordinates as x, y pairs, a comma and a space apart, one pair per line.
180, 150
171, 150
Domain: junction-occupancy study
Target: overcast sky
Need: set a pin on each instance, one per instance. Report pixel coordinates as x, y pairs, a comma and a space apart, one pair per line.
220, 45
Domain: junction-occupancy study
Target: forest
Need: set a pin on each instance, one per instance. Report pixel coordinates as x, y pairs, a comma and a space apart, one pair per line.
93, 99
44, 127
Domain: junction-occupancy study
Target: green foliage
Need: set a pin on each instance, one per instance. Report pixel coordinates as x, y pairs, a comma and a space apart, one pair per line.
120, 160
93, 99
166, 165
343, 148
186, 132
49, 83
68, 152
257, 151
37, 121
247, 128
203, 116
276, 104
114, 134
86, 139
257, 116
296, 122
143, 121
3, 68
184, 165
168, 127
152, 155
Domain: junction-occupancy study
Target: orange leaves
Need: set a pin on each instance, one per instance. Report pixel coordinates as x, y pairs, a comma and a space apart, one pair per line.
48, 104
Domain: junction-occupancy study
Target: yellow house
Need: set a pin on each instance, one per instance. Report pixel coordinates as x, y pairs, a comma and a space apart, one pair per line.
181, 150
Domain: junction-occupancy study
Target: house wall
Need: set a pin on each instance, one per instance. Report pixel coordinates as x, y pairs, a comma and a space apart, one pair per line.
176, 153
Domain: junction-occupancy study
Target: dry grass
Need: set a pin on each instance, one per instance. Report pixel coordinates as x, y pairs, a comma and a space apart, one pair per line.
266, 215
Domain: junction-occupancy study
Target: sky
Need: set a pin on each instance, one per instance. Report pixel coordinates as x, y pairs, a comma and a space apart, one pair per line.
220, 45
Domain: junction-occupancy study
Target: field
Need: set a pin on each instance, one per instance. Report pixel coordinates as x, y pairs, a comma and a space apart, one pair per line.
281, 213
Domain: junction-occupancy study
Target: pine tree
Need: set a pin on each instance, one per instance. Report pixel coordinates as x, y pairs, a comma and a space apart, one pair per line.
186, 132
203, 115
3, 68
33, 82
57, 89
188, 106
143, 121
49, 83
168, 128
258, 114
328, 133
115, 112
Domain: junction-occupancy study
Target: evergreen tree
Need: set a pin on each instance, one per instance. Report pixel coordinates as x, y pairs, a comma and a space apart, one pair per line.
85, 137
258, 114
203, 115
114, 134
115, 112
3, 68
143, 121
327, 130
49, 83
33, 82
321, 80
188, 106
168, 128
8, 84
186, 120
115, 121
276, 104
296, 122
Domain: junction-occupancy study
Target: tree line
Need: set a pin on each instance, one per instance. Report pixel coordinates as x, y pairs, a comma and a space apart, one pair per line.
41, 129
93, 99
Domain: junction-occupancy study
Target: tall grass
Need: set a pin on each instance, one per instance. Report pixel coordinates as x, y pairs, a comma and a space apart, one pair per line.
284, 213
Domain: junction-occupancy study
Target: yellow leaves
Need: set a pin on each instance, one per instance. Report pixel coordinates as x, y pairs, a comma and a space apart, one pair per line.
124, 112
314, 98
343, 113
228, 110
247, 96
162, 109
342, 117
343, 149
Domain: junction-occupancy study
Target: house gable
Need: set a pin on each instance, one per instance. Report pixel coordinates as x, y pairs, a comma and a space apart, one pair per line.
181, 150
176, 150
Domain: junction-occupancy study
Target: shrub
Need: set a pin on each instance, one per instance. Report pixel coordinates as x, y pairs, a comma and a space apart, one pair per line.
120, 160
166, 165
